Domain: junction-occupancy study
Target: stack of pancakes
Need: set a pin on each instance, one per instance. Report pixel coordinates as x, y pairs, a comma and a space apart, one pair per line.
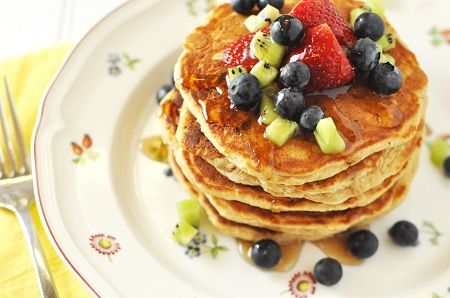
253, 189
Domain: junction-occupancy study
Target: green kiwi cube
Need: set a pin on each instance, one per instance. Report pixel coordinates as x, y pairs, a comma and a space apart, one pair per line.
236, 71
387, 42
267, 110
265, 73
280, 131
439, 150
375, 6
252, 23
271, 90
328, 137
263, 48
189, 211
385, 58
184, 232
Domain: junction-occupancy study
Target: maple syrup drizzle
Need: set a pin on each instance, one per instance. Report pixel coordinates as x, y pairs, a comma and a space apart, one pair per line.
336, 247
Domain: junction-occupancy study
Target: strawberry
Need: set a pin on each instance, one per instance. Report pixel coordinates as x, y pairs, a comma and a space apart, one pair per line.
238, 52
325, 58
316, 12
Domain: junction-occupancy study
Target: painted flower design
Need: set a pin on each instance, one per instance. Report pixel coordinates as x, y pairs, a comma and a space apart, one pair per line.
105, 244
439, 36
116, 63
433, 233
302, 285
83, 151
199, 245
193, 9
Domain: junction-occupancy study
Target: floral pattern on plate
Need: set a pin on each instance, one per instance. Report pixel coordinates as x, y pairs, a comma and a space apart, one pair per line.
199, 245
118, 61
439, 36
105, 244
302, 285
83, 152
193, 9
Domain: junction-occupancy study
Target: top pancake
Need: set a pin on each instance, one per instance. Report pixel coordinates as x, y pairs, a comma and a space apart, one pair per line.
368, 122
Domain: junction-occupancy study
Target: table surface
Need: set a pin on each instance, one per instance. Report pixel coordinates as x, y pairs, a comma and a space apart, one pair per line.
28, 25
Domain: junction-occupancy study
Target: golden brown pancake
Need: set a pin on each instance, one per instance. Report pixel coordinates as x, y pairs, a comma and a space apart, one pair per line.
368, 122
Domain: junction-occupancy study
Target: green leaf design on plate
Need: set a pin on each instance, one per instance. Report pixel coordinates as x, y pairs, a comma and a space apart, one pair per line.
430, 229
436, 37
130, 62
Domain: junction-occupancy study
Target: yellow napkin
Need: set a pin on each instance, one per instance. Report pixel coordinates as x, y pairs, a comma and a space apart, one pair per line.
29, 77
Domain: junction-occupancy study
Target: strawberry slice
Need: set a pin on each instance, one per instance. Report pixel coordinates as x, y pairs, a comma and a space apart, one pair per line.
239, 53
325, 58
316, 12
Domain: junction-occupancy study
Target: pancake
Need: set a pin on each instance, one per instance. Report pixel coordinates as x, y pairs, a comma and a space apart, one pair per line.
368, 122
357, 179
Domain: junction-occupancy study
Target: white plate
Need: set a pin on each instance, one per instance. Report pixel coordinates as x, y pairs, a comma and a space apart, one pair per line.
114, 193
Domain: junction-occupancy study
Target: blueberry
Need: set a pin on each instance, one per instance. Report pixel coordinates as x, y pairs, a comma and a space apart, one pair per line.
287, 30
385, 79
369, 25
162, 92
266, 253
362, 244
364, 55
168, 172
447, 166
311, 117
243, 6
289, 104
278, 4
295, 74
328, 271
245, 91
404, 233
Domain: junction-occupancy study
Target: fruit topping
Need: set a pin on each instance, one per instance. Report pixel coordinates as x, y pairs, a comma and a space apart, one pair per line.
265, 253
386, 42
272, 90
328, 271
245, 91
355, 13
264, 18
328, 137
362, 244
280, 131
325, 58
267, 110
263, 48
375, 6
404, 233
447, 166
238, 53
295, 75
162, 92
364, 55
311, 117
265, 73
243, 6
439, 150
369, 25
316, 12
184, 232
189, 211
235, 71
385, 79
275, 3
287, 30
289, 104
386, 58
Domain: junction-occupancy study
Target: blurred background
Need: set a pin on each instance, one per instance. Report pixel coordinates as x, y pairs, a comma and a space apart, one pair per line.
28, 25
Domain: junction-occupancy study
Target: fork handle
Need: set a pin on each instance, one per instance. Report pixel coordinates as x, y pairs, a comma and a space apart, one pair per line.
46, 286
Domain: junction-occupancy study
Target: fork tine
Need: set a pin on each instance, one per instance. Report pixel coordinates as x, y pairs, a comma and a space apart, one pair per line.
8, 142
19, 136
3, 173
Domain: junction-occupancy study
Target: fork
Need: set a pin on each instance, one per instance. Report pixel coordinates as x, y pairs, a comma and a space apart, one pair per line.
16, 190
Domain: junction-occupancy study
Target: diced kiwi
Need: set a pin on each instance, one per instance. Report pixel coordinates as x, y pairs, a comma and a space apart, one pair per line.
384, 58
265, 49
281, 130
386, 42
267, 110
271, 90
263, 19
236, 71
184, 232
355, 13
190, 211
328, 137
439, 150
375, 6
265, 73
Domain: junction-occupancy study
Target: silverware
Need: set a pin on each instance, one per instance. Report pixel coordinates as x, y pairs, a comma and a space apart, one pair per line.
16, 189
